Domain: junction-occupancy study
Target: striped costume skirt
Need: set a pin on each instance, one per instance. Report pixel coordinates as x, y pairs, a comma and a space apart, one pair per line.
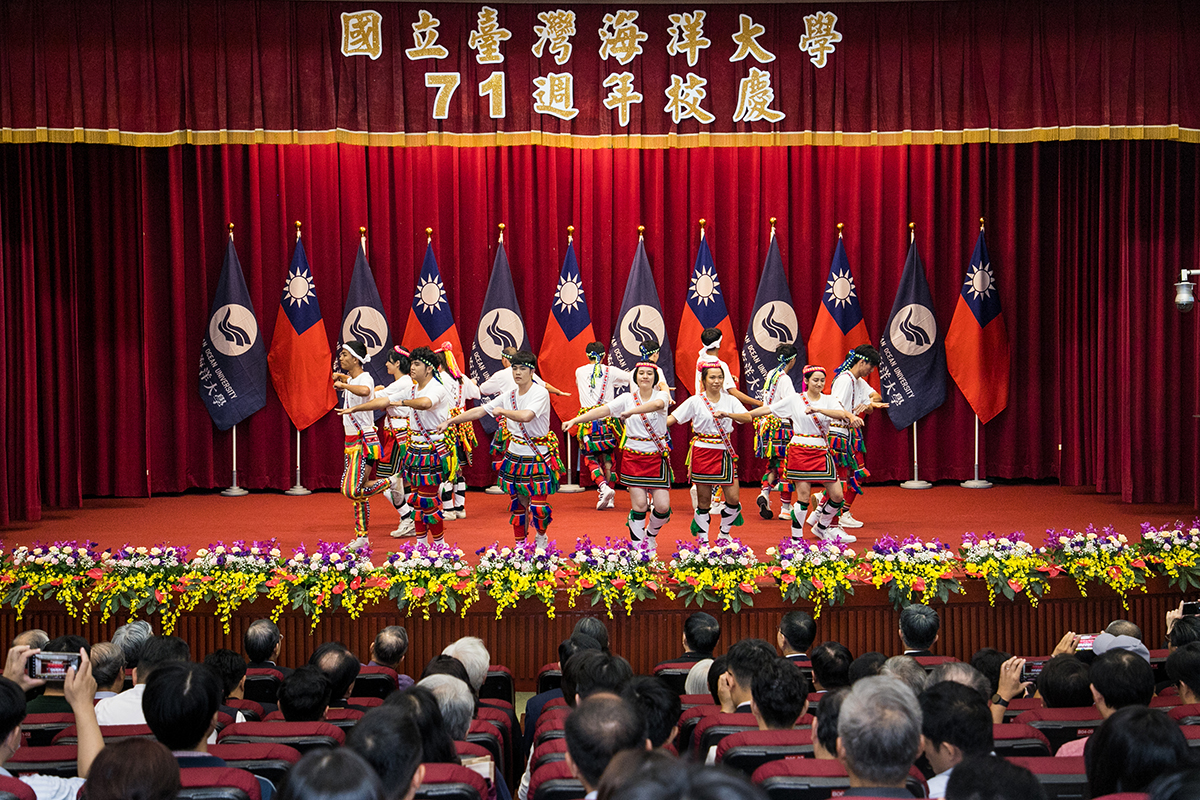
392, 444
527, 475
598, 435
810, 462
706, 465
425, 466
645, 470
500, 440
462, 434
771, 437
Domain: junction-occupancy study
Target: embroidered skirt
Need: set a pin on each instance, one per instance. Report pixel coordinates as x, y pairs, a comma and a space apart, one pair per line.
425, 466
771, 437
392, 444
527, 475
645, 470
598, 435
810, 463
706, 465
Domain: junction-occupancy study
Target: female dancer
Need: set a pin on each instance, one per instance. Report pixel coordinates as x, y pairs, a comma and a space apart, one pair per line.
462, 434
771, 434
598, 441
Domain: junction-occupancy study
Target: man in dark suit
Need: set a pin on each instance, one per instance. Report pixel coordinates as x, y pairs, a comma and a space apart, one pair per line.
263, 642
796, 634
701, 632
919, 626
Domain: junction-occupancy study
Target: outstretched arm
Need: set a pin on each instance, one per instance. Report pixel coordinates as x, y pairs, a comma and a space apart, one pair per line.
600, 412
645, 408
470, 415
737, 416
554, 390
747, 400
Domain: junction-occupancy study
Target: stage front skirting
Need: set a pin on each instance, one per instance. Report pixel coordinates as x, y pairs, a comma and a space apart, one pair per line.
525, 639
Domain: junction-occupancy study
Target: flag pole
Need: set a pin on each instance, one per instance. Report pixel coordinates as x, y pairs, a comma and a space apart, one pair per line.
976, 483
570, 487
234, 490
299, 490
916, 482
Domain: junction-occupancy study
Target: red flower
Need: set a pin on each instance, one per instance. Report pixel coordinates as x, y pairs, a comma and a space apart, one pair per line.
375, 581
321, 598
691, 580
463, 573
652, 586
619, 583
1138, 563
354, 584
341, 587
587, 583
271, 584
788, 577
919, 585
159, 595
461, 586
746, 587
1015, 586
418, 591
818, 584
95, 573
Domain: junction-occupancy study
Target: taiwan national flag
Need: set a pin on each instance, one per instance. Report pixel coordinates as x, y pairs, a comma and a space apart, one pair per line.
500, 323
705, 308
640, 318
772, 323
977, 342
233, 358
568, 332
912, 368
364, 321
300, 357
430, 323
839, 327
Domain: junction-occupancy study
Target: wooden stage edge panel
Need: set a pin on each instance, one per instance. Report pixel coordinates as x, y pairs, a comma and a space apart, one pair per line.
525, 638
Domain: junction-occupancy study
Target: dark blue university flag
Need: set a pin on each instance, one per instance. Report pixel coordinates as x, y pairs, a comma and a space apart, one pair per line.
912, 371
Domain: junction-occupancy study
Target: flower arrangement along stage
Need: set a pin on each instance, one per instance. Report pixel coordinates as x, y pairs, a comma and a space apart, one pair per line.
164, 581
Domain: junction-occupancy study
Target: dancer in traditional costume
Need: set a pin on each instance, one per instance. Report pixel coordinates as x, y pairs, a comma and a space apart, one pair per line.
712, 462
361, 446
710, 340
645, 457
772, 434
429, 458
502, 382
531, 466
393, 436
598, 439
809, 458
461, 388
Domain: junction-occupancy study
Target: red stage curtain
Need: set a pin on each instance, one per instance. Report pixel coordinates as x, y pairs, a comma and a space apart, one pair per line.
110, 256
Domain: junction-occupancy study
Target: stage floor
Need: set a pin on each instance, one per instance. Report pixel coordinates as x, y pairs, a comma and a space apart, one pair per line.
199, 519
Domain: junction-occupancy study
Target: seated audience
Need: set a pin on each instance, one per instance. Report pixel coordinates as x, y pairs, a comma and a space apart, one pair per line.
180, 701
989, 660
533, 707
1107, 641
231, 670
701, 631
53, 700
388, 650
715, 671
598, 729
659, 706
134, 769
420, 706
448, 665
108, 668
341, 668
634, 775
746, 658
593, 671
132, 638
126, 707
965, 674
865, 666
955, 724
262, 642
474, 656
919, 625
79, 688
304, 695
338, 774
796, 633
456, 702
830, 666
825, 724
1119, 678
1065, 683
908, 670
1183, 668
778, 695
389, 741
1123, 627
697, 677
1182, 630
879, 735
593, 627
1133, 747
993, 778
34, 638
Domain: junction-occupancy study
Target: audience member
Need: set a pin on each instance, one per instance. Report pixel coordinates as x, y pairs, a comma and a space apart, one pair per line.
908, 670
701, 631
796, 633
830, 666
456, 702
1123, 627
54, 700
34, 638
598, 729
865, 666
447, 665
593, 627
879, 735
263, 641
746, 658
595, 671
338, 774
533, 708
825, 724
1133, 747
919, 625
1183, 668
1064, 683
388, 650
126, 707
132, 639
659, 706
420, 706
715, 671
626, 767
965, 674
230, 668
134, 769
108, 668
1119, 678
648, 776
304, 695
340, 667
1106, 642
1182, 631
389, 741
697, 677
474, 656
989, 660
778, 695
955, 724
993, 778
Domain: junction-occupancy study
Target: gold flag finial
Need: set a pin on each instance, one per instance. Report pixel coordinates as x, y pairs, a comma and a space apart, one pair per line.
570, 233
297, 230
501, 226
981, 223
772, 227
912, 232
641, 232
231, 230
841, 226
428, 235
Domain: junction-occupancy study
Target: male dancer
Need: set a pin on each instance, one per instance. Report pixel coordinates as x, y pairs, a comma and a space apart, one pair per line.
772, 434
361, 441
598, 439
394, 435
461, 388
429, 459
531, 466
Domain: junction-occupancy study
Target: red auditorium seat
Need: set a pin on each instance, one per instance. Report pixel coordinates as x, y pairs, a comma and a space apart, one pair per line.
815, 779
471, 750
489, 738
1062, 778
111, 733
1019, 705
1019, 739
688, 721
711, 729
40, 729
451, 782
343, 718
252, 711
217, 783
1123, 796
303, 736
552, 750
549, 677
374, 681
499, 684
931, 662
1192, 734
1166, 701
266, 760
555, 782
746, 751
13, 789
1061, 725
364, 703
1186, 715
262, 685
693, 700
53, 759
675, 674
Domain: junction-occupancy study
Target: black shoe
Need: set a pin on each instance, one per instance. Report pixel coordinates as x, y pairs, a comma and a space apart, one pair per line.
764, 507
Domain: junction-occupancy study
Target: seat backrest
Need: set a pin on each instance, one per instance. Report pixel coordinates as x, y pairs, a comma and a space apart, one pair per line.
801, 779
930, 662
266, 760
373, 681
1019, 705
40, 729
1019, 739
1192, 734
499, 684
1166, 701
111, 733
13, 789
554, 781
1123, 796
549, 677
1062, 725
675, 674
364, 703
52, 759
218, 783
1063, 778
489, 738
252, 711
303, 736
693, 700
688, 721
262, 685
746, 751
550, 750
451, 782
343, 718
471, 750
711, 729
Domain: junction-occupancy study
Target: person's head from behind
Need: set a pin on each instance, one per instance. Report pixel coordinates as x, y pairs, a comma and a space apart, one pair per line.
919, 625
1133, 747
796, 632
420, 706
831, 665
596, 671
132, 638
337, 774
1123, 627
879, 731
133, 769
108, 666
573, 644
180, 703
304, 695
1184, 631
456, 701
35, 638
390, 646
70, 643
825, 724
988, 661
908, 670
778, 695
709, 337
447, 665
598, 729
866, 665
230, 668
745, 658
715, 670
1183, 668
12, 711
965, 674
1119, 679
159, 651
659, 705
634, 775
993, 778
956, 724
701, 632
471, 651
593, 627
389, 741
1064, 683
262, 641
340, 666
697, 677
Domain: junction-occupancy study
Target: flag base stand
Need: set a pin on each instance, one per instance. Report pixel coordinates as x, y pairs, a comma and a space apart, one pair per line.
298, 491
916, 484
976, 484
234, 491
570, 488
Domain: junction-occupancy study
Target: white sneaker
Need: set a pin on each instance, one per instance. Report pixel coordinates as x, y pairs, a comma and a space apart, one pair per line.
460, 512
450, 513
838, 536
494, 489
359, 543
812, 516
785, 512
406, 528
605, 497
849, 521
541, 541
612, 500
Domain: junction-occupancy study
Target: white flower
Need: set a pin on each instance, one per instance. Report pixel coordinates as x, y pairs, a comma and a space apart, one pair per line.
274, 552
154, 551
